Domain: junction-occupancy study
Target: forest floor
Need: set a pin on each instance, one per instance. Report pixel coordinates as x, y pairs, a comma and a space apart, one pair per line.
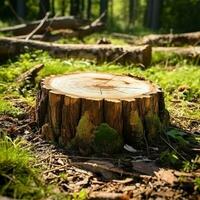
168, 170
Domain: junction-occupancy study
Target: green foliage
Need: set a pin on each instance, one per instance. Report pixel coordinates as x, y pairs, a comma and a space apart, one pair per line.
17, 178
107, 140
181, 15
170, 158
178, 137
197, 183
189, 166
82, 195
7, 108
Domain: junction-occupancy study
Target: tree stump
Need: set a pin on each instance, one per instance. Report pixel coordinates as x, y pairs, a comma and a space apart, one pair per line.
82, 107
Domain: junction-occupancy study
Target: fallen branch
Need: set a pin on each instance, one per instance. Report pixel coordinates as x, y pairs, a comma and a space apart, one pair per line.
99, 53
29, 36
54, 23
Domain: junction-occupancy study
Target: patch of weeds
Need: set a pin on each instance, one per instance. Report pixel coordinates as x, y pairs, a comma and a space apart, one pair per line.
197, 184
17, 178
170, 158
192, 165
7, 108
82, 195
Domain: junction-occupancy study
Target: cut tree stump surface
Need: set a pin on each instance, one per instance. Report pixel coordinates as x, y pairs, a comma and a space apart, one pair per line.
75, 105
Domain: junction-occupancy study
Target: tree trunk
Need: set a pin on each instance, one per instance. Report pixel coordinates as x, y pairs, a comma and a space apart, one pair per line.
53, 7
99, 53
153, 14
75, 7
89, 6
104, 9
132, 11
52, 23
21, 8
44, 6
72, 107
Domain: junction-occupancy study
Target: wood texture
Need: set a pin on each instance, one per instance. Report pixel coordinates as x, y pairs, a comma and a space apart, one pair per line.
134, 108
99, 53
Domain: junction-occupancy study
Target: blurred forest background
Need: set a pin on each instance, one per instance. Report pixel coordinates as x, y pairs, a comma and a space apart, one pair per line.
130, 16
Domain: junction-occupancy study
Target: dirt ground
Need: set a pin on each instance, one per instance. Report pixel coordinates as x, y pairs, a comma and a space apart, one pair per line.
129, 175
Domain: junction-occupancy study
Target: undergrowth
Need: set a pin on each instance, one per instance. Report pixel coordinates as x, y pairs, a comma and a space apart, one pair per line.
18, 179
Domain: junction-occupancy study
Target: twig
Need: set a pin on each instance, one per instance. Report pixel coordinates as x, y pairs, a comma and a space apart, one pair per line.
38, 27
116, 59
173, 148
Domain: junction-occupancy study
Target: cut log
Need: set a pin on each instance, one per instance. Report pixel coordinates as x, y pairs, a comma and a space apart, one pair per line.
86, 107
190, 53
52, 23
171, 39
99, 53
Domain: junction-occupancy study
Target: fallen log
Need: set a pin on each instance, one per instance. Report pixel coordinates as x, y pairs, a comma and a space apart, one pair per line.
93, 109
99, 53
80, 33
51, 23
171, 39
190, 53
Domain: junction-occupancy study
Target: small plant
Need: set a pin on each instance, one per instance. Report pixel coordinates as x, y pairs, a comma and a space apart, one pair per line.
197, 184
170, 158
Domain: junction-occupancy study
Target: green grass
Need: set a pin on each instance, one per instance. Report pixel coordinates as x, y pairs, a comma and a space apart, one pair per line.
18, 179
7, 108
179, 80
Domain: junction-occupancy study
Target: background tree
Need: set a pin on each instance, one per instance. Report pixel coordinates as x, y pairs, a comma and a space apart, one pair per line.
104, 9
75, 7
44, 7
153, 14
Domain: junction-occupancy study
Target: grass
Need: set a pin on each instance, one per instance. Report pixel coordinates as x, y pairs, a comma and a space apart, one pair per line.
18, 179
178, 78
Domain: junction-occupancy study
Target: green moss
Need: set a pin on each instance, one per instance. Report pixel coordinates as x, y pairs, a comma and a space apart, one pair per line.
85, 132
137, 135
107, 139
153, 125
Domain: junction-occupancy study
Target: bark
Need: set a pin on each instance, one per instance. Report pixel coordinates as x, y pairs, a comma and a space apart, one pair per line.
131, 106
192, 38
104, 9
89, 6
52, 23
153, 12
44, 7
21, 8
75, 7
99, 53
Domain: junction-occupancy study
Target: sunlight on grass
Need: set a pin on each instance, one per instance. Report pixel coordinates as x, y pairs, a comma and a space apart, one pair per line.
179, 81
17, 178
